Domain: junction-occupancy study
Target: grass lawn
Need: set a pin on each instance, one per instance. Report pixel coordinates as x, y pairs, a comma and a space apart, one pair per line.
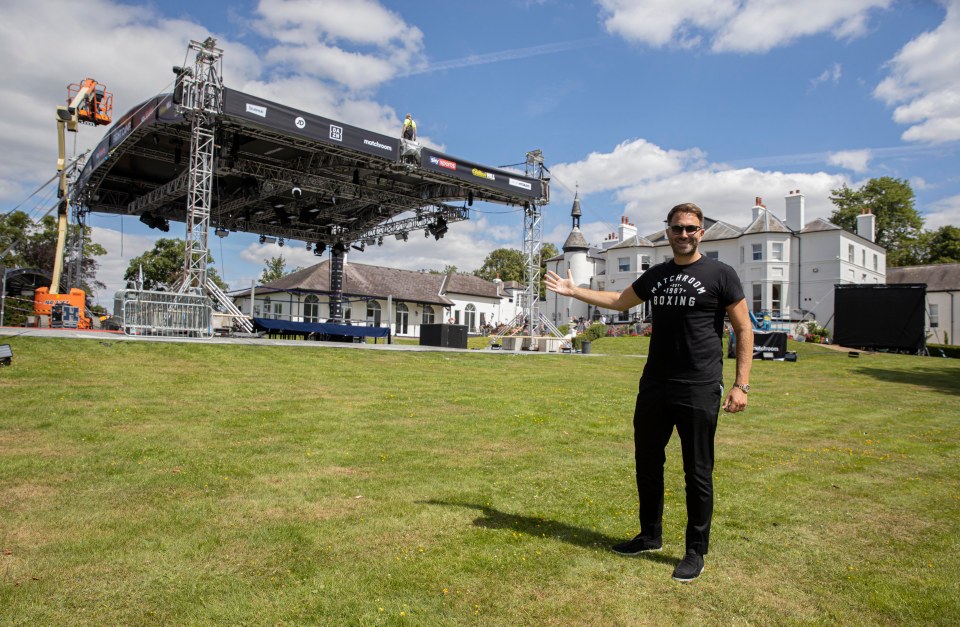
192, 483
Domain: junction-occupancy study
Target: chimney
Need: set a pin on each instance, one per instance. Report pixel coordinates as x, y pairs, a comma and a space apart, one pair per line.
795, 217
758, 207
627, 230
866, 225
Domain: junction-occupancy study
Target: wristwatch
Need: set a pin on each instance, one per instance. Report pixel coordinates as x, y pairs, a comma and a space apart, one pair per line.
744, 387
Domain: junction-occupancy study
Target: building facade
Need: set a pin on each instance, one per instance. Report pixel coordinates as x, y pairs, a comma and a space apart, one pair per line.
788, 267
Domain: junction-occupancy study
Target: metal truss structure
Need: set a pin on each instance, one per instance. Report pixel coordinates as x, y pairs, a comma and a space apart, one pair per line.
216, 158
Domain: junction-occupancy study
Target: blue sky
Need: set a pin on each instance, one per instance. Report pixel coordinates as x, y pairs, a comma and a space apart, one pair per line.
641, 104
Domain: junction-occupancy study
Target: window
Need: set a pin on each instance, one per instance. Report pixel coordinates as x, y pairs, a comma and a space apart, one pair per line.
623, 264
758, 252
266, 306
713, 254
346, 309
311, 308
934, 316
757, 297
402, 318
742, 250
428, 316
863, 257
278, 309
470, 317
776, 251
644, 262
776, 299
850, 253
373, 313
876, 263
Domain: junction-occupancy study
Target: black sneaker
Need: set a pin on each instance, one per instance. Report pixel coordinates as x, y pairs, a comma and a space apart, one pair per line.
689, 567
638, 545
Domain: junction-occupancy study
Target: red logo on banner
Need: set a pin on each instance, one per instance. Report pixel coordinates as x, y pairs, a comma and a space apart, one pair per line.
450, 165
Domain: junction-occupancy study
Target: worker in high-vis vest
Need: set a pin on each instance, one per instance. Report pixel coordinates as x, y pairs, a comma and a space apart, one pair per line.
409, 129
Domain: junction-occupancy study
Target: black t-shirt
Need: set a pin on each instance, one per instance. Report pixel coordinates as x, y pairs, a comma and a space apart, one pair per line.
688, 304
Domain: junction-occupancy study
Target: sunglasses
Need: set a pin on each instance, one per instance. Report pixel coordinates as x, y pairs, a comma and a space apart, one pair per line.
690, 229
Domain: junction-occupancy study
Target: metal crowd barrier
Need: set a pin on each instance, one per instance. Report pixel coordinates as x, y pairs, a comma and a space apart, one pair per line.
163, 314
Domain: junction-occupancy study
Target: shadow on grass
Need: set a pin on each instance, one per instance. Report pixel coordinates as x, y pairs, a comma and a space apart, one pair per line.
542, 527
945, 381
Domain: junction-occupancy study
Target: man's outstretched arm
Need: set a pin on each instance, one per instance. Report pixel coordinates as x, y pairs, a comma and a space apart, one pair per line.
620, 301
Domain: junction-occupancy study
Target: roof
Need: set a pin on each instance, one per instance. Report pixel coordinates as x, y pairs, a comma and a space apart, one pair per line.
365, 280
469, 284
820, 225
941, 277
766, 222
721, 230
633, 242
575, 241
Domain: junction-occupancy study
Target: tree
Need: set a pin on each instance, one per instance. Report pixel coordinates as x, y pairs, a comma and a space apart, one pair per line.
163, 265
27, 244
943, 245
511, 265
898, 223
274, 268
447, 269
507, 263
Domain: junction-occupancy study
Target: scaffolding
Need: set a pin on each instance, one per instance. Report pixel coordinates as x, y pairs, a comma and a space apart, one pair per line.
199, 94
530, 323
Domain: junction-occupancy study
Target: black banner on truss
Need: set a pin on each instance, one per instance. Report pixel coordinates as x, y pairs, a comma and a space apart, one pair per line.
292, 121
480, 174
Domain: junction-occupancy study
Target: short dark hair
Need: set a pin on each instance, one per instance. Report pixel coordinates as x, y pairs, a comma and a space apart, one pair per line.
687, 207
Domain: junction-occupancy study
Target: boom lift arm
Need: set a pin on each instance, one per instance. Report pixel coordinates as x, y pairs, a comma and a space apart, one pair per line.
88, 102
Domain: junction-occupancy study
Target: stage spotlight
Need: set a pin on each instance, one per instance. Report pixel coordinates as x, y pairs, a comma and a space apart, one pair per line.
380, 241
221, 232
319, 248
402, 236
339, 248
309, 246
296, 192
470, 199
439, 228
155, 222
280, 242
361, 247
263, 239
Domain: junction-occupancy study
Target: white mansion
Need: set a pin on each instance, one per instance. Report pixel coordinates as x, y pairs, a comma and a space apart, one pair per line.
788, 266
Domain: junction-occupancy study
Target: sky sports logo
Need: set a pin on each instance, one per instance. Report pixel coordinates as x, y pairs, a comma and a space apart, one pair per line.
257, 110
444, 163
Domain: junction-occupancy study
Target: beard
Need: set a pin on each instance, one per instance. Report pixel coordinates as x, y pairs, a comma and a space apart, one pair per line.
683, 249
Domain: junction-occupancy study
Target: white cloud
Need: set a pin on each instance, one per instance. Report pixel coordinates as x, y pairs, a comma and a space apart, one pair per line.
735, 25
856, 160
831, 74
944, 212
312, 33
629, 162
924, 83
647, 180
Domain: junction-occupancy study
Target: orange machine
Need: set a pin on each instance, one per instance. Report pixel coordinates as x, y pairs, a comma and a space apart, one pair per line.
44, 301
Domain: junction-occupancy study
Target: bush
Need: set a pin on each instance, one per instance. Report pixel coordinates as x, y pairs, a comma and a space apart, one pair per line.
593, 332
564, 329
944, 350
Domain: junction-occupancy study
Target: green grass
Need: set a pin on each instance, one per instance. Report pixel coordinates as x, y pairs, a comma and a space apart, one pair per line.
175, 483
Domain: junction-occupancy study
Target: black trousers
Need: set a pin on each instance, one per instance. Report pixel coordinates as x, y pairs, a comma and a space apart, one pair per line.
692, 409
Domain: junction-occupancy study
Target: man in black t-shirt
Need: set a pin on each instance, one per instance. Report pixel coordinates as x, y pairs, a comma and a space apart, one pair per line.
682, 382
